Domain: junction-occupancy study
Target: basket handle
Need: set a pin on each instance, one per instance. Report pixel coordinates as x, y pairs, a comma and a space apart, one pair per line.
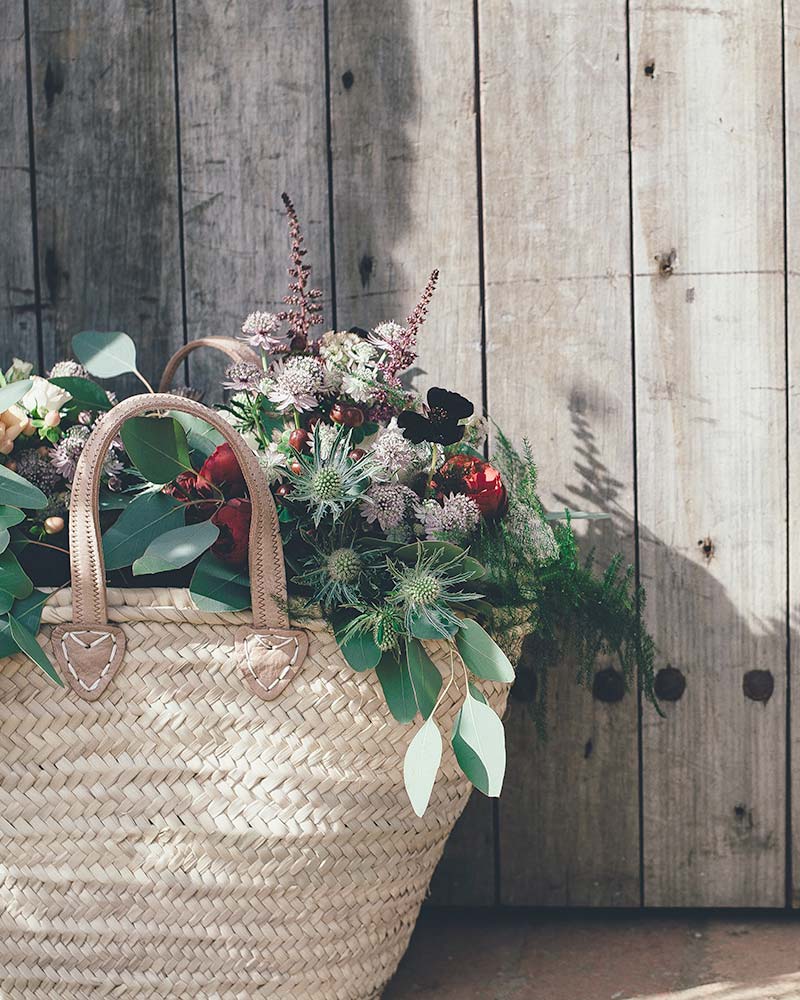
267, 572
234, 349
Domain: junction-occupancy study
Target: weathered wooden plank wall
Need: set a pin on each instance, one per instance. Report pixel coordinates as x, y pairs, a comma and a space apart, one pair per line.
602, 186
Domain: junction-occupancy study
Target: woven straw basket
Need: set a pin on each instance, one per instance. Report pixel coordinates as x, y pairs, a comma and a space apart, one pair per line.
214, 807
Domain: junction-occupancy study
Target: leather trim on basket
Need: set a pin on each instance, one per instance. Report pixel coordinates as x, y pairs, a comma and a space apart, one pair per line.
89, 656
271, 657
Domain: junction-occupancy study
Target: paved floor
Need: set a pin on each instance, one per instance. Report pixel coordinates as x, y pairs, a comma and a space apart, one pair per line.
510, 955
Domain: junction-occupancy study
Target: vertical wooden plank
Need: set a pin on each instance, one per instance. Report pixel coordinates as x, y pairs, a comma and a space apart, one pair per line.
104, 126
709, 318
404, 175
17, 306
253, 124
405, 201
791, 37
554, 114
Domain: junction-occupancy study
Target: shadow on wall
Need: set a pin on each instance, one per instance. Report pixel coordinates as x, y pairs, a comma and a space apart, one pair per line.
598, 490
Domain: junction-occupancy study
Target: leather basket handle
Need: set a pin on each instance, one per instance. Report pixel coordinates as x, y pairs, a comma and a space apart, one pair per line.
90, 649
234, 349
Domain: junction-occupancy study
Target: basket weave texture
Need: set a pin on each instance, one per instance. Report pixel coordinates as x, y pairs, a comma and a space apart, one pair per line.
183, 838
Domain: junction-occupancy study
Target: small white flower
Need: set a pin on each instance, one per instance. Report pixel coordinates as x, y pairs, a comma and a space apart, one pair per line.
343, 349
396, 454
44, 397
19, 370
384, 335
457, 517
388, 504
359, 384
296, 383
272, 462
260, 330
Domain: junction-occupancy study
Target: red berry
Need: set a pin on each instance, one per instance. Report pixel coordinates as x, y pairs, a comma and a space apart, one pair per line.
354, 416
356, 454
298, 439
296, 467
283, 490
339, 413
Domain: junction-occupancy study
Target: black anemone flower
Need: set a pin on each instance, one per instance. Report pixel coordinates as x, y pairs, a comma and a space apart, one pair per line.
441, 425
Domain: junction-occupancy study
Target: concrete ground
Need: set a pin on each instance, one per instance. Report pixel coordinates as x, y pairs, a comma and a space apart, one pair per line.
584, 955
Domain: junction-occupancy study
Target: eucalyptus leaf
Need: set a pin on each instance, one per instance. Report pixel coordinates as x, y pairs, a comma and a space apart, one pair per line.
421, 628
421, 765
13, 578
9, 516
157, 446
425, 677
359, 648
481, 653
201, 436
18, 492
410, 553
105, 355
13, 393
396, 683
146, 517
176, 548
215, 586
28, 613
86, 395
478, 733
5, 539
31, 648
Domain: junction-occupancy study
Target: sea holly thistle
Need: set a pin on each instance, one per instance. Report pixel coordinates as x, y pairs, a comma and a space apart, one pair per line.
427, 592
329, 480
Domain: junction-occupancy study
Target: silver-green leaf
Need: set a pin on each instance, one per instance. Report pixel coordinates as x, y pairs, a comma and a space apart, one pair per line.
481, 653
176, 548
421, 765
478, 737
105, 355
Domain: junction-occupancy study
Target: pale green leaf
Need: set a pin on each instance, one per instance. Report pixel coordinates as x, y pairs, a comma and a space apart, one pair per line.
86, 395
18, 492
13, 393
146, 517
481, 653
157, 446
481, 731
397, 689
105, 355
425, 676
201, 436
421, 765
31, 648
177, 548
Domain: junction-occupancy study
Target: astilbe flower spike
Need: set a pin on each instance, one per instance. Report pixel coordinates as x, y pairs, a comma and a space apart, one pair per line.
399, 343
304, 309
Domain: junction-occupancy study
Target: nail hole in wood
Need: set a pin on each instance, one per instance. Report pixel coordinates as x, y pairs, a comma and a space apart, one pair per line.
758, 685
588, 750
666, 262
347, 79
365, 266
669, 684
608, 686
650, 69
708, 548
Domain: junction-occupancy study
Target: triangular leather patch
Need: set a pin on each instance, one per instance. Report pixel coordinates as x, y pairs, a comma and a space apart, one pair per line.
271, 658
88, 656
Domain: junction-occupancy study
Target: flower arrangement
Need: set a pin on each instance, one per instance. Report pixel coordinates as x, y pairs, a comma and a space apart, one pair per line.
396, 522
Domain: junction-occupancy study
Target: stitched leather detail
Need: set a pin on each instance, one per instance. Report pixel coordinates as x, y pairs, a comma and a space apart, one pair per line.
89, 657
267, 573
234, 349
270, 658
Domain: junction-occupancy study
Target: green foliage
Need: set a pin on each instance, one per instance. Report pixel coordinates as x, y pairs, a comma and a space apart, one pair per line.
157, 446
103, 354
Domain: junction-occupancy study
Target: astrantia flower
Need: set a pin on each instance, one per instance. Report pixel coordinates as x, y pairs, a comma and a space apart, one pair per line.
260, 330
359, 384
388, 504
38, 469
329, 483
426, 592
272, 462
64, 455
243, 377
455, 519
296, 383
68, 369
441, 424
386, 335
396, 454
